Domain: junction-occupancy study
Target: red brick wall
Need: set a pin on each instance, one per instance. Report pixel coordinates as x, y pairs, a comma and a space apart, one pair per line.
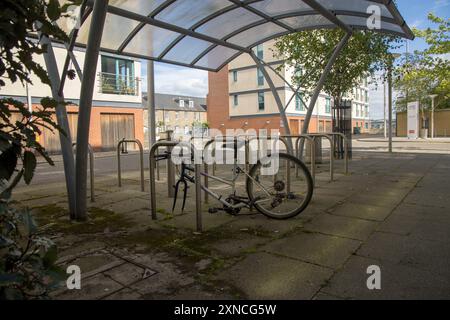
217, 99
95, 133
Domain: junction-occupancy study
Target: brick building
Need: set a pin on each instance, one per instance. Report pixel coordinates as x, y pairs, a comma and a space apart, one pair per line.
117, 101
177, 113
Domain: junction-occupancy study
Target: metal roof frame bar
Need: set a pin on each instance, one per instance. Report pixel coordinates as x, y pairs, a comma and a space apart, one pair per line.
84, 13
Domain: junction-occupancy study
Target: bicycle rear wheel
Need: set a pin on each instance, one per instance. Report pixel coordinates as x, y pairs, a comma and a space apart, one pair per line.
280, 189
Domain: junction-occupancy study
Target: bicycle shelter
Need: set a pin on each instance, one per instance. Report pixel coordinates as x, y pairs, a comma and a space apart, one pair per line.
201, 34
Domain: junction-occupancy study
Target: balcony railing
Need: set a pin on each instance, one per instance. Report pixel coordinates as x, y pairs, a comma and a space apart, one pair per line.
110, 83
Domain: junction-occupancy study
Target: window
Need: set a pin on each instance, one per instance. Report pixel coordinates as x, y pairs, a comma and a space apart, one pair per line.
261, 105
186, 129
327, 105
260, 51
298, 72
235, 76
177, 115
181, 103
191, 104
260, 76
186, 115
235, 100
117, 76
367, 125
167, 116
299, 106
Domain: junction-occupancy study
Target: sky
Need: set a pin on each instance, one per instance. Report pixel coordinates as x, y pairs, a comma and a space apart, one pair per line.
185, 81
415, 13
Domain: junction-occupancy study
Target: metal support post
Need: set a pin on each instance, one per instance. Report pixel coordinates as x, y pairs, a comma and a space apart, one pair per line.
276, 96
91, 170
86, 93
61, 117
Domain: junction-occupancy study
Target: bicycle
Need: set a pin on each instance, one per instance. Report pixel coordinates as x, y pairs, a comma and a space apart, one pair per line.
281, 195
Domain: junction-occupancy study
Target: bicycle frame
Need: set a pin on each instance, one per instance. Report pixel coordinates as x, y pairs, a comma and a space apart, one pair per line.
237, 171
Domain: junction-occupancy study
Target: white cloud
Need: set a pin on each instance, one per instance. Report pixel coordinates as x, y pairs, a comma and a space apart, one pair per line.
416, 23
440, 4
177, 80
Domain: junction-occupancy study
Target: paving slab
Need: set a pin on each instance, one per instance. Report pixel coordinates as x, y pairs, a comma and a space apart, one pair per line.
324, 250
266, 225
198, 292
376, 200
397, 282
189, 220
93, 288
367, 212
387, 247
239, 244
266, 276
352, 228
433, 256
123, 294
129, 273
429, 197
168, 279
422, 222
127, 206
326, 296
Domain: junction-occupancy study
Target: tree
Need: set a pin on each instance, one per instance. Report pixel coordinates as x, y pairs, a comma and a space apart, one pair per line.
426, 72
26, 258
365, 53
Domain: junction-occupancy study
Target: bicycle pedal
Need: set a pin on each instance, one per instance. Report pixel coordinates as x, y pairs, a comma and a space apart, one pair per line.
213, 210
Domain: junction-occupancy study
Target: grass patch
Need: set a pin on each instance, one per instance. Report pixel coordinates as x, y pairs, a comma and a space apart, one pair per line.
53, 218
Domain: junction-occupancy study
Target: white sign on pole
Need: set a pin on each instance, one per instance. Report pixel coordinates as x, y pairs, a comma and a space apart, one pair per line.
413, 120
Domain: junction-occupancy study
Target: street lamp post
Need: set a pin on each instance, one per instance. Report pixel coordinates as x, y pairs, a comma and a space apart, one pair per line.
432, 96
384, 109
390, 65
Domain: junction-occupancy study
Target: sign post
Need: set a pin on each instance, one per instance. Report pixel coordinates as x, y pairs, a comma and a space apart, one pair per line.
413, 120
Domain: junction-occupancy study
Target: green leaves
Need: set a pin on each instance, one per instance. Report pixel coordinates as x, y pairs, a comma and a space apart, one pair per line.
26, 259
50, 257
53, 10
8, 162
426, 72
29, 165
364, 54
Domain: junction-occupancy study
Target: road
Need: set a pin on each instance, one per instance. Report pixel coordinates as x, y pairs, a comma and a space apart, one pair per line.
106, 163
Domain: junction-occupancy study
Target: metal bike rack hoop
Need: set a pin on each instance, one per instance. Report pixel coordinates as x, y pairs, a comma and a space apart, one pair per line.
346, 144
312, 152
329, 137
198, 188
141, 158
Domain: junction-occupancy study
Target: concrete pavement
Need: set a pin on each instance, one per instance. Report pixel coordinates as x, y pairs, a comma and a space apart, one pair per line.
393, 211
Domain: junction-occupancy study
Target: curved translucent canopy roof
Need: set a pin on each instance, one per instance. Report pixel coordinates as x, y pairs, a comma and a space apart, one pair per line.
208, 34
